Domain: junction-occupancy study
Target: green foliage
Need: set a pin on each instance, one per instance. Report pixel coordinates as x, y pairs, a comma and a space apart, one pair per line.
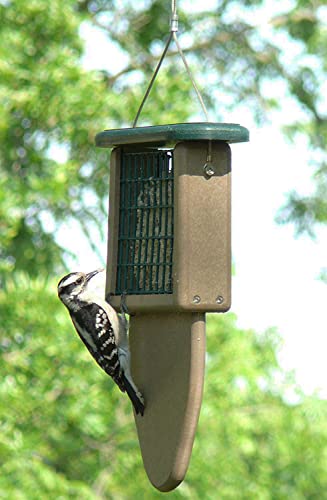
59, 416
49, 103
65, 430
305, 211
40, 67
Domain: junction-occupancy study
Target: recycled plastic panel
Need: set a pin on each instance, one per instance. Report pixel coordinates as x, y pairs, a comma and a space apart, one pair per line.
165, 197
169, 228
172, 133
168, 361
202, 228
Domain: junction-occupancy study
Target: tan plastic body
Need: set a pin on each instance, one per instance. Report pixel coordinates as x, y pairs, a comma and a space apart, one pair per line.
167, 331
202, 232
168, 360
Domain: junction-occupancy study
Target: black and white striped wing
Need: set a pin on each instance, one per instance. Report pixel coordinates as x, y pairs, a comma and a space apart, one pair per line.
95, 330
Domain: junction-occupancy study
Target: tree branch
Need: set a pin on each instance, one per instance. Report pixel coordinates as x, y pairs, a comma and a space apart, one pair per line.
152, 60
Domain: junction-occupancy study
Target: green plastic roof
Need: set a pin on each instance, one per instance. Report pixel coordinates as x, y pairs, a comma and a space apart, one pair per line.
163, 134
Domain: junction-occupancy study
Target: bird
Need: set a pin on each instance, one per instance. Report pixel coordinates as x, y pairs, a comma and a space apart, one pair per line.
101, 329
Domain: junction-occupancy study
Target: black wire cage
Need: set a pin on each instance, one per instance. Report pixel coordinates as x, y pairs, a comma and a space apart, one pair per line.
146, 229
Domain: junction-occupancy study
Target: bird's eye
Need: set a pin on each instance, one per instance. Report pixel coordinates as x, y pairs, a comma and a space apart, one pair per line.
79, 281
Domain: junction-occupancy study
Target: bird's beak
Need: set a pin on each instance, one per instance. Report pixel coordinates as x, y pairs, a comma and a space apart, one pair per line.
93, 273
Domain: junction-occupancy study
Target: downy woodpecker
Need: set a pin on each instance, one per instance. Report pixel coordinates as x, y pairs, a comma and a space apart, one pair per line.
101, 329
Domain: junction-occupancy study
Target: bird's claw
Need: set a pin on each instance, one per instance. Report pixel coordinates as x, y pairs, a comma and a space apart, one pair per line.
123, 306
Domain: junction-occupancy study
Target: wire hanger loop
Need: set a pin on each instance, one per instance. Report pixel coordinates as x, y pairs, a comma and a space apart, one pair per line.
172, 35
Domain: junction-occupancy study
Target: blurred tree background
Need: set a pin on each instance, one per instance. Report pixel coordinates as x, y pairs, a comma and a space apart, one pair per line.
65, 430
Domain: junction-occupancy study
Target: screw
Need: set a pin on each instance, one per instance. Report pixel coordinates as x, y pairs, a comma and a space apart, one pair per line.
220, 299
196, 299
209, 170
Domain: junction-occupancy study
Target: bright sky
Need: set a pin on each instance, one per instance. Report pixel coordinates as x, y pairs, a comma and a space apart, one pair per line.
276, 275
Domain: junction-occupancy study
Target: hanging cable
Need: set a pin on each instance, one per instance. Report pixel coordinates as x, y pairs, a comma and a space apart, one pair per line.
204, 109
148, 90
172, 35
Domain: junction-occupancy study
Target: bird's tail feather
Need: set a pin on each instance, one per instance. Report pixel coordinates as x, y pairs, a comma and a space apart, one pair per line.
135, 396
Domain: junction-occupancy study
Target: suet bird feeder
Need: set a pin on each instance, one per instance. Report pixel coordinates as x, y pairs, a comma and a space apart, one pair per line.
169, 251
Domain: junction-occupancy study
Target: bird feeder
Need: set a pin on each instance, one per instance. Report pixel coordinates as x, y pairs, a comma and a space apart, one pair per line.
169, 253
